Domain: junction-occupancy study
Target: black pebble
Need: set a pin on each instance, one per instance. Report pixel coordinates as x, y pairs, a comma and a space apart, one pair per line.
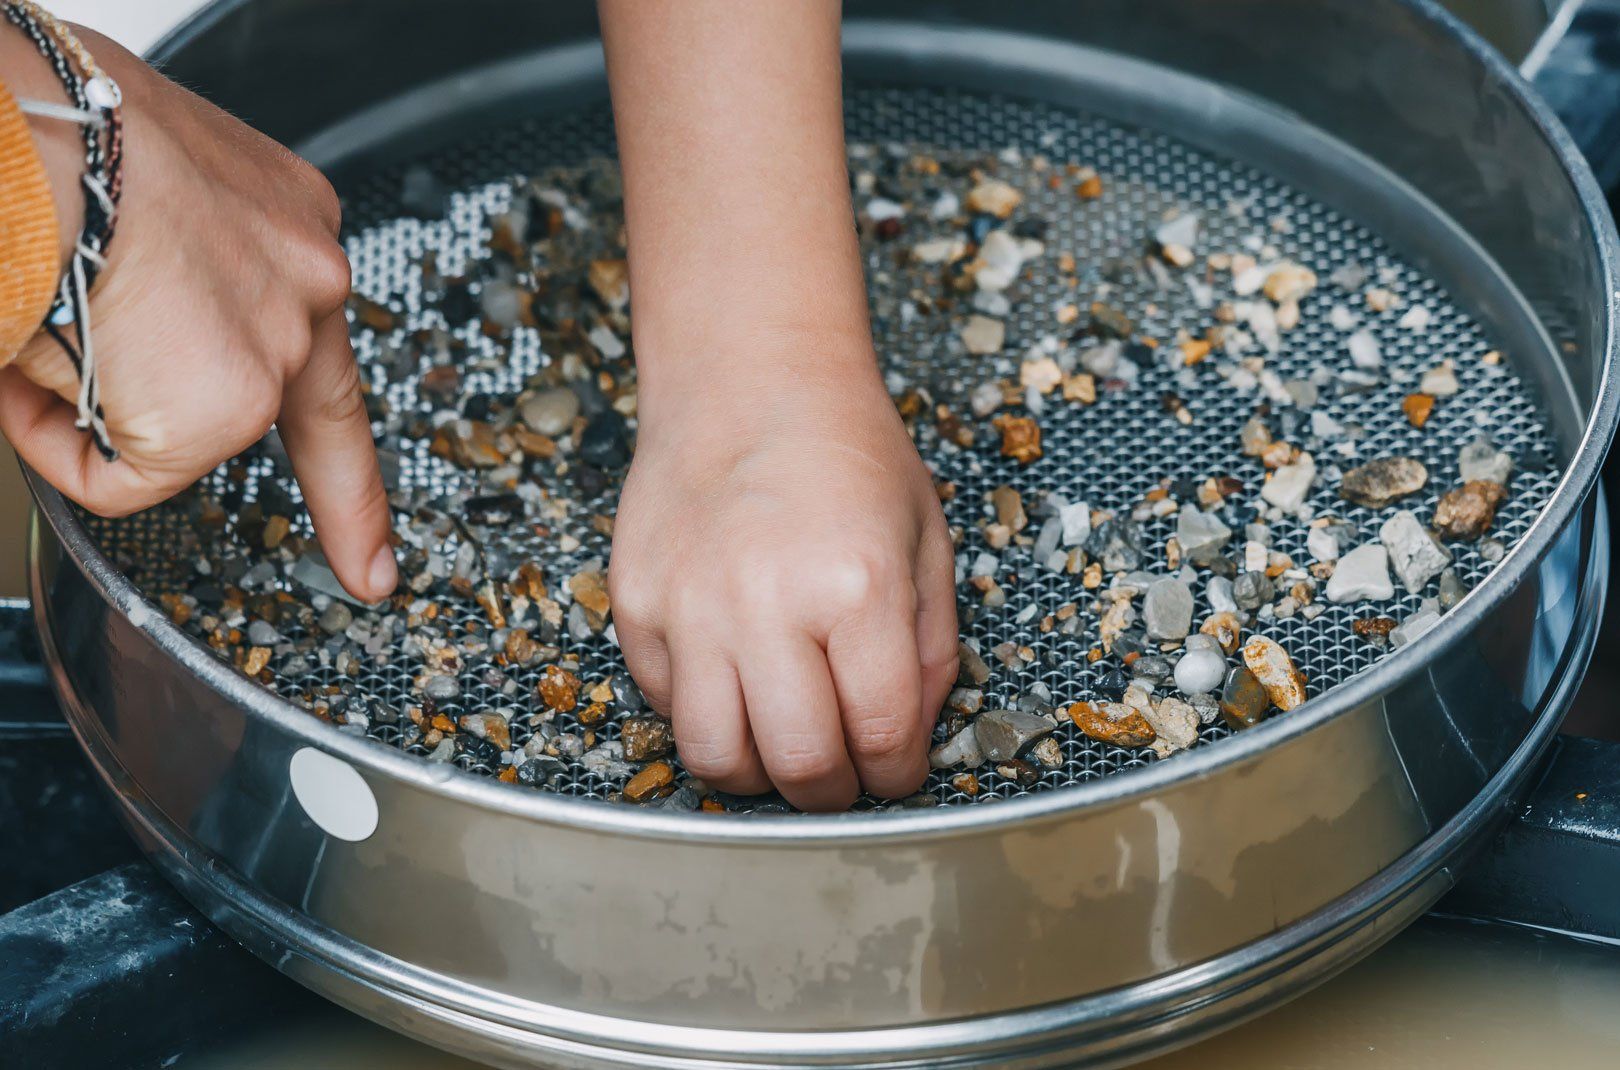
481, 751
605, 442
980, 226
1113, 684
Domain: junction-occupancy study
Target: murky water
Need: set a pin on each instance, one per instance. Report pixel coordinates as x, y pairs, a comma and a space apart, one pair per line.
1441, 996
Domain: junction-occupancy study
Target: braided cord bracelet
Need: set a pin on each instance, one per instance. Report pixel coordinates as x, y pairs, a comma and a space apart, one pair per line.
94, 104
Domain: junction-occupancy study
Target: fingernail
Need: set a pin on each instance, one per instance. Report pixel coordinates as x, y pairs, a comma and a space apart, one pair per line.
384, 574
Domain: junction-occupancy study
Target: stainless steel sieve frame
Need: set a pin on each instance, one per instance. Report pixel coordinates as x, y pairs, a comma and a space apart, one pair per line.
1097, 923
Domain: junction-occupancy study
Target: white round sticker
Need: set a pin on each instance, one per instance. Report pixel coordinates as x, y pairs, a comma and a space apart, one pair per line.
334, 795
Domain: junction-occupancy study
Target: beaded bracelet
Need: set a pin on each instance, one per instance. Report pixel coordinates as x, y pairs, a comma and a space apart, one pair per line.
95, 102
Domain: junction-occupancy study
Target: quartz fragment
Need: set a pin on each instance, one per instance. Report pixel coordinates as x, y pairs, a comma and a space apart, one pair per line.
1481, 460
1361, 575
1201, 534
1174, 724
1271, 665
1415, 625
961, 749
1388, 479
983, 335
1167, 609
1076, 522
1290, 484
1416, 556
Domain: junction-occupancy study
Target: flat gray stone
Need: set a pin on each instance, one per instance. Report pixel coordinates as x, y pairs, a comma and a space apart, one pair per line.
1361, 575
1003, 734
1167, 609
1201, 534
1416, 556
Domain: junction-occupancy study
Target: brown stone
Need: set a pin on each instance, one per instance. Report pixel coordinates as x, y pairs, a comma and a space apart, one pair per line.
488, 726
1020, 438
649, 782
1112, 722
1374, 629
611, 281
1381, 482
590, 590
994, 197
1467, 511
1225, 629
559, 689
1009, 506
275, 530
1243, 699
646, 737
1417, 408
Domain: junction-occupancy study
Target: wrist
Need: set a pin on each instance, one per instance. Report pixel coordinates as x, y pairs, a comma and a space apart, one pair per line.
753, 371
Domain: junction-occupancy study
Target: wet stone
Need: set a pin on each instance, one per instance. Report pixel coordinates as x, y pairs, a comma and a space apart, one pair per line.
1381, 482
1243, 699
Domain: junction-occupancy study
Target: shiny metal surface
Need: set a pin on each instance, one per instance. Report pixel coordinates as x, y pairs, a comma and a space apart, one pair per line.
1095, 923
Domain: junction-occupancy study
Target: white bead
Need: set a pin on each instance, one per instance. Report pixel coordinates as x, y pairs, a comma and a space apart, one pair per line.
102, 92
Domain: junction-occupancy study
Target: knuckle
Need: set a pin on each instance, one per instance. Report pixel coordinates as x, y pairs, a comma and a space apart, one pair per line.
882, 738
856, 579
799, 764
328, 275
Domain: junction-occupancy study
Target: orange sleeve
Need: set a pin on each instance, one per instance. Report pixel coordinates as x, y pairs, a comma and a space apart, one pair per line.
28, 232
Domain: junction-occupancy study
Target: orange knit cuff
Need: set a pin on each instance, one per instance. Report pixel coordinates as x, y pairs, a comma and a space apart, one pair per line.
28, 232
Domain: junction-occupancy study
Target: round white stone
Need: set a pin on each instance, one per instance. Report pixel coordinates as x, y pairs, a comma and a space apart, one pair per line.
1200, 671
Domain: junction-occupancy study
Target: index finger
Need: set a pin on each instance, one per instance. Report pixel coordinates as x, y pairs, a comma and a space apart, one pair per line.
324, 426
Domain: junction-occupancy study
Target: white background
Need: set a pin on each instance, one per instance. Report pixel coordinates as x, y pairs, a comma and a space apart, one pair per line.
135, 24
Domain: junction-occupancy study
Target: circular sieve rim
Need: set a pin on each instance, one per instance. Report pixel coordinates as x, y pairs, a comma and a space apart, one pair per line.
813, 830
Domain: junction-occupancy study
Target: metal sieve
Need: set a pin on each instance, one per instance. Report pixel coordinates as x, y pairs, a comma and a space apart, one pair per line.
1105, 920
